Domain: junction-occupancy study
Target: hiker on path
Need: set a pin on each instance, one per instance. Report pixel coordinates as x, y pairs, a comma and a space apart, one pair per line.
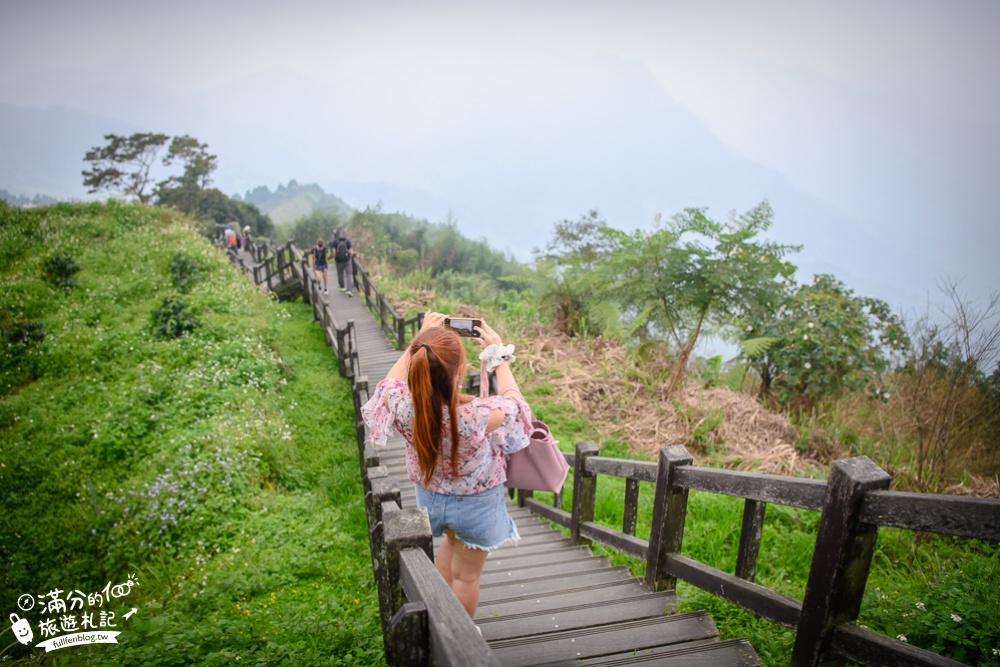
318, 256
232, 242
343, 252
461, 486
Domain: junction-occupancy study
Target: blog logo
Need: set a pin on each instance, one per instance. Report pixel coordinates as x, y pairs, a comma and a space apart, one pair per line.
21, 629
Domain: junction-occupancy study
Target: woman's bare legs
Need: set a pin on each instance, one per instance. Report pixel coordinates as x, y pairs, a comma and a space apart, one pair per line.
461, 567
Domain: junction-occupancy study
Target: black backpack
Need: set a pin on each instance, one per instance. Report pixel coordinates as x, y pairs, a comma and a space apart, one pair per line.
342, 254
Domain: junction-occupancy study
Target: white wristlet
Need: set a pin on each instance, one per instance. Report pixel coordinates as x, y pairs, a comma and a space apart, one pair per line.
494, 355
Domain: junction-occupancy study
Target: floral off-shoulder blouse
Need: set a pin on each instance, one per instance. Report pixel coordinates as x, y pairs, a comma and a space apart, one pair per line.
481, 455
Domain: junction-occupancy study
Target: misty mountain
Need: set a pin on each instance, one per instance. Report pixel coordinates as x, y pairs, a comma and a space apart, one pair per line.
294, 201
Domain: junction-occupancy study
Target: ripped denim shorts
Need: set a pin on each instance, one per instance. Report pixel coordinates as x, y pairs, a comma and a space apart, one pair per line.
479, 521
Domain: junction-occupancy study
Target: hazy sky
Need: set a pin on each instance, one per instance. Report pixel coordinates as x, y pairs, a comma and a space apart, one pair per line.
887, 111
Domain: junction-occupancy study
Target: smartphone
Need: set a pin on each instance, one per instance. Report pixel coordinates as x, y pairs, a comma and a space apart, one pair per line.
463, 326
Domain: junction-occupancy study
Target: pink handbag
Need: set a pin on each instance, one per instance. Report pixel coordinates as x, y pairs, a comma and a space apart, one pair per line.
540, 466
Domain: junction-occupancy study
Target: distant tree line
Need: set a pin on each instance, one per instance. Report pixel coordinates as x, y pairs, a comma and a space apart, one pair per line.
124, 165
404, 243
24, 201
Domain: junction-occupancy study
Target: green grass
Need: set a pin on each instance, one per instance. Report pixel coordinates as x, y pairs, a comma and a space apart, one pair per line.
218, 467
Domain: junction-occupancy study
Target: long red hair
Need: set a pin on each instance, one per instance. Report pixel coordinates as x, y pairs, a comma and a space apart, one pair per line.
437, 358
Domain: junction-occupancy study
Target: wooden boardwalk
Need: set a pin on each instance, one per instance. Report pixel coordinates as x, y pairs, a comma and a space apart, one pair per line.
548, 600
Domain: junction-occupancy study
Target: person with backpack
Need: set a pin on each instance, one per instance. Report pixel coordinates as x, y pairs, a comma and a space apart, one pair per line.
343, 252
230, 237
319, 264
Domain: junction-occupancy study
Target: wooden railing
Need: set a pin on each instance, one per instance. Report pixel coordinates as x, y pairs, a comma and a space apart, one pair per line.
276, 265
421, 618
854, 502
394, 326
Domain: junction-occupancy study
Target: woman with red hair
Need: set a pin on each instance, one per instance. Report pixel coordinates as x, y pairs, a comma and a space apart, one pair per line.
461, 486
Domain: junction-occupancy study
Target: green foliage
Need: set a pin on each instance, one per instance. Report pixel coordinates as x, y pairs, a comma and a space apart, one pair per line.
940, 596
694, 273
567, 283
60, 269
381, 237
184, 270
22, 346
219, 467
123, 164
172, 319
823, 341
214, 206
319, 224
708, 372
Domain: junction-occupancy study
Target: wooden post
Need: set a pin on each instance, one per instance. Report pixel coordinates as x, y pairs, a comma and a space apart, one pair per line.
669, 512
631, 506
409, 632
841, 560
753, 526
523, 495
352, 353
584, 491
383, 489
360, 391
402, 529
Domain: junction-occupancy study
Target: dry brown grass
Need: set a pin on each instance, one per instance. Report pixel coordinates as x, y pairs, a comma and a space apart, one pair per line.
599, 379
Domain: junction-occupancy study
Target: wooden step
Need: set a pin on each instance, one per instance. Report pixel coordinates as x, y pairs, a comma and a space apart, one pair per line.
511, 591
605, 639
587, 612
705, 653
617, 589
544, 572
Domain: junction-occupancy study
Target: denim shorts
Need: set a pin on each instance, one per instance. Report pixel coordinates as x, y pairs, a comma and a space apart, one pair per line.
480, 521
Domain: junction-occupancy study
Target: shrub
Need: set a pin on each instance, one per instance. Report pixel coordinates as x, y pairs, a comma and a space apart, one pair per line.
60, 269
172, 319
185, 272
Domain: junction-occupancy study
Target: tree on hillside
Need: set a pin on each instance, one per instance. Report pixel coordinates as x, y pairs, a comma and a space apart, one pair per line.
694, 274
184, 192
319, 224
823, 341
569, 285
123, 164
215, 206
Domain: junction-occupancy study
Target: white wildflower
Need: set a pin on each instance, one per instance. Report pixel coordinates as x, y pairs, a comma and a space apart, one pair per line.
956, 618
920, 606
808, 365
901, 638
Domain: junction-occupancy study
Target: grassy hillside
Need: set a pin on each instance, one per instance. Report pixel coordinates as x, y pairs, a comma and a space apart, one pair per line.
217, 468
